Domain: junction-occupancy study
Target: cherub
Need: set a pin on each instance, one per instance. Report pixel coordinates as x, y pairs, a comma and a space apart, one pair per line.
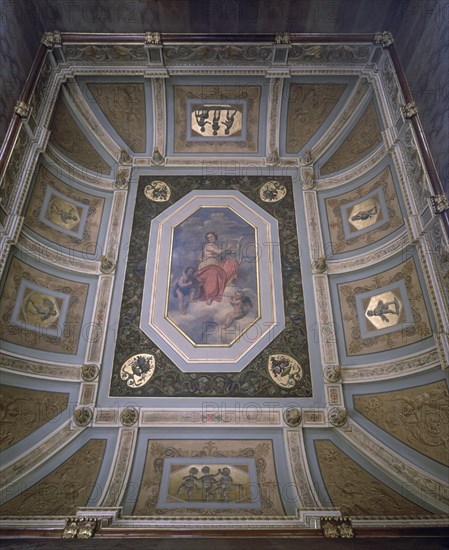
229, 121
216, 122
43, 312
208, 482
365, 214
201, 116
185, 286
382, 309
189, 483
241, 305
64, 215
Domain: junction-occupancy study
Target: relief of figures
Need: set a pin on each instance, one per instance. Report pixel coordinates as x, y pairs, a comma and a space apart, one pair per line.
214, 483
384, 310
213, 277
217, 120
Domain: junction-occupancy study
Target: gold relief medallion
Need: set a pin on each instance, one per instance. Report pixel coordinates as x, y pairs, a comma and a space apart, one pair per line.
272, 191
364, 214
384, 310
63, 213
137, 370
216, 120
284, 370
157, 191
39, 309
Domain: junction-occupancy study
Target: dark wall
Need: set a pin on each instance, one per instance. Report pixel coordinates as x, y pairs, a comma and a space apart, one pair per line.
20, 34
422, 41
420, 27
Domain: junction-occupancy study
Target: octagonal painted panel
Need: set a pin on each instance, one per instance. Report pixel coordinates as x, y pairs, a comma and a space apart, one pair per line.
213, 287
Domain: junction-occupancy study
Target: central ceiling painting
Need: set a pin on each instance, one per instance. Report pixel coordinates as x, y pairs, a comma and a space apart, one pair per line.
206, 301
212, 301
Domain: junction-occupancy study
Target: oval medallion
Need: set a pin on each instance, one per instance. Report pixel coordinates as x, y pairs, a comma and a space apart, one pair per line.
137, 370
272, 191
284, 370
157, 191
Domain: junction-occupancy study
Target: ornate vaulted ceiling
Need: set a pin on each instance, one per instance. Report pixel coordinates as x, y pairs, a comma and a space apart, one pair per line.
297, 370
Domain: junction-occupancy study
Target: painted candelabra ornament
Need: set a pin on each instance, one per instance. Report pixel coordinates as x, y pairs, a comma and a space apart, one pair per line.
215, 120
138, 369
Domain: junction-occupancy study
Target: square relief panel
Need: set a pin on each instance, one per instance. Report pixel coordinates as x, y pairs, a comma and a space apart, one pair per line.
364, 215
383, 312
216, 119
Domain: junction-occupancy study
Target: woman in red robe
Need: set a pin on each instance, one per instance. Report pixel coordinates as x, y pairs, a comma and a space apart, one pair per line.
213, 274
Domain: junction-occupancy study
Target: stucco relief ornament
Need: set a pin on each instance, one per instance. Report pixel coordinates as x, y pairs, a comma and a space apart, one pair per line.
439, 203
70, 529
152, 38
157, 191
332, 373
83, 416
22, 109
337, 527
308, 183
292, 417
89, 372
409, 110
125, 158
122, 177
137, 370
337, 417
273, 158
129, 416
51, 39
284, 370
282, 38
106, 266
157, 159
79, 528
87, 528
384, 39
306, 159
272, 191
319, 265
